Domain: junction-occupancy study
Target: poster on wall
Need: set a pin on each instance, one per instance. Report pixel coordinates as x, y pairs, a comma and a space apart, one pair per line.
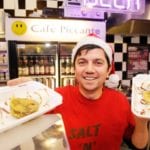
137, 60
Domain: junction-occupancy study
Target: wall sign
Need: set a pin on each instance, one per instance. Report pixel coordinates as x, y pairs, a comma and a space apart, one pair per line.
33, 29
117, 6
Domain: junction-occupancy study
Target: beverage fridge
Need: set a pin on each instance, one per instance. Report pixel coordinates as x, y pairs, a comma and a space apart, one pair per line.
66, 65
49, 63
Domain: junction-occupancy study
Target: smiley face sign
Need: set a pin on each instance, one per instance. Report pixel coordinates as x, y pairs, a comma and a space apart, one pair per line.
19, 27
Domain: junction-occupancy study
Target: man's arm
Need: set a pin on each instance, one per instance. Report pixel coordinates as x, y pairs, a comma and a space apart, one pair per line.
140, 134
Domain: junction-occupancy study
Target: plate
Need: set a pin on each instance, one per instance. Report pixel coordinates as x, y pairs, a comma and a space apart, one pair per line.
47, 98
140, 104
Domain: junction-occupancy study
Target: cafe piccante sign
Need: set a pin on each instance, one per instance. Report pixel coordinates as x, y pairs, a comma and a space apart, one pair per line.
34, 29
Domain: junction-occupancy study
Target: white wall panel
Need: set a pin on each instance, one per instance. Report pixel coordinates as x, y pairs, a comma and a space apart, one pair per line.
31, 4
52, 3
20, 12
9, 4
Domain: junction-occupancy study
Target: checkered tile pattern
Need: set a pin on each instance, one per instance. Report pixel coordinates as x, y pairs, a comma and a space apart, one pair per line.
119, 43
21, 8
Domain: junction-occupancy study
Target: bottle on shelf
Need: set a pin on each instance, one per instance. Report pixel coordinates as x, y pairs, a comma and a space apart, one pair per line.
2, 76
72, 69
25, 69
20, 66
66, 81
52, 65
7, 75
46, 65
31, 65
4, 59
68, 66
72, 81
51, 82
41, 65
1, 59
36, 66
62, 66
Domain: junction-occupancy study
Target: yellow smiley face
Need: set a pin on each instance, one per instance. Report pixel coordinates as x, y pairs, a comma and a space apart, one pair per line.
19, 27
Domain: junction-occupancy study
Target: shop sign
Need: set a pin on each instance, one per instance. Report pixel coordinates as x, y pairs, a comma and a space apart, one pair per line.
116, 6
33, 29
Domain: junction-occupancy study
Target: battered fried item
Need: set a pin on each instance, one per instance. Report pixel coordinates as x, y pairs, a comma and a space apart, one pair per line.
146, 97
20, 107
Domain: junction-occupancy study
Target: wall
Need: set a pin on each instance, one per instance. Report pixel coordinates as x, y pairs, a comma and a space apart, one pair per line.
120, 45
22, 8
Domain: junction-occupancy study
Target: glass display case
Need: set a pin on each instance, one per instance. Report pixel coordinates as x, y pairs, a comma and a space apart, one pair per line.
66, 65
49, 63
36, 60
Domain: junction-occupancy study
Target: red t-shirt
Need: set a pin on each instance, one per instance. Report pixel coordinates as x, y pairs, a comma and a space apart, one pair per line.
95, 124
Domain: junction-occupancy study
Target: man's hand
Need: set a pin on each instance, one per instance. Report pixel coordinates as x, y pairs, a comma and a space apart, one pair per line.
140, 134
141, 120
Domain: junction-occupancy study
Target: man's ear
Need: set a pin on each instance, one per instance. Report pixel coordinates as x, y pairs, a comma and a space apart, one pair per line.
109, 70
112, 68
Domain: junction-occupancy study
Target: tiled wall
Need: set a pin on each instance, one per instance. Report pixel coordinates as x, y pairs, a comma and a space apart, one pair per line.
120, 44
22, 8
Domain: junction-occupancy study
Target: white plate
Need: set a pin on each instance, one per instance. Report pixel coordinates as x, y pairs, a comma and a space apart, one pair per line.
139, 108
47, 97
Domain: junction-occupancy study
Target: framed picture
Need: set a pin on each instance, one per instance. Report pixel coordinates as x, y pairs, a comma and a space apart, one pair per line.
137, 60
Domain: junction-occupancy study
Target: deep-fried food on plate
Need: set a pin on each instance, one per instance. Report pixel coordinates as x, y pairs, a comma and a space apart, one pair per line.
146, 97
20, 107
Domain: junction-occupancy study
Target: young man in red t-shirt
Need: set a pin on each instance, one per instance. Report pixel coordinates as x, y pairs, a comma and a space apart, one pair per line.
97, 117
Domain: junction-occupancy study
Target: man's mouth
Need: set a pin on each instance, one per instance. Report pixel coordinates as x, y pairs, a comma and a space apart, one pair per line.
89, 78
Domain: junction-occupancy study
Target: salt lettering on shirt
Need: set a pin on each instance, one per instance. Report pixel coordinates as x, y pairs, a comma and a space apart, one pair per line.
89, 131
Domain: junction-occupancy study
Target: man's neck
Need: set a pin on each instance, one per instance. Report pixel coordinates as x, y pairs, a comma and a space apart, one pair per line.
91, 94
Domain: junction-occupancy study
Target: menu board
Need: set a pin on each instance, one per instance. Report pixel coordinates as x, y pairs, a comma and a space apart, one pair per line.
137, 61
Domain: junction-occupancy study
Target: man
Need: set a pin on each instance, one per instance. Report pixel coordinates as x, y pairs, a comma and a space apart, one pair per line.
96, 117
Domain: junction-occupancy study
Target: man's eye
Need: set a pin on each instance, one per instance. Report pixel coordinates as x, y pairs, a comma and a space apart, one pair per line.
99, 62
81, 62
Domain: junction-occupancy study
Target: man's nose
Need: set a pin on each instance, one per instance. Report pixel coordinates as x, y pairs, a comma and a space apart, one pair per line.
90, 67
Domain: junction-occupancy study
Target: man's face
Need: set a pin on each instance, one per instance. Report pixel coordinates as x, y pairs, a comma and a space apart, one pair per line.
91, 70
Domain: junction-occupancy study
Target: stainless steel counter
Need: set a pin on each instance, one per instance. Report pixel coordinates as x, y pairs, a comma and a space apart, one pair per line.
43, 133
